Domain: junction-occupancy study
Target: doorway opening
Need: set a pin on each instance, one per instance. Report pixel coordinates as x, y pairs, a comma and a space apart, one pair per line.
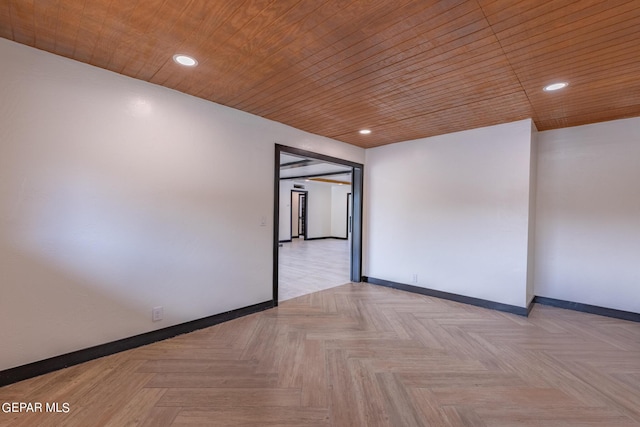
300, 192
298, 214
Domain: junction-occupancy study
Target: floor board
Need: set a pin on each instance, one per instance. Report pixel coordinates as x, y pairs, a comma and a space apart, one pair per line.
360, 355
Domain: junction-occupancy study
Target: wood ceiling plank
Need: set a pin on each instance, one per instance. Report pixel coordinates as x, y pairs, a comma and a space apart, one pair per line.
302, 67
297, 49
116, 31
331, 23
521, 109
590, 44
397, 78
6, 24
401, 80
505, 15
161, 35
204, 17
486, 113
483, 84
20, 15
406, 69
67, 28
493, 7
133, 58
134, 47
245, 58
609, 48
621, 92
560, 43
91, 22
246, 42
586, 108
336, 71
622, 66
579, 24
45, 21
588, 118
444, 82
241, 19
507, 104
620, 61
6, 29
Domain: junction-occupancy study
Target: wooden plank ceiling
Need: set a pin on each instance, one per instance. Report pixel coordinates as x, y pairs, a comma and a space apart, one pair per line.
404, 69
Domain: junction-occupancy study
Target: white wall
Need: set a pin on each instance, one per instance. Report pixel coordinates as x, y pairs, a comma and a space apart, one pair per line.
326, 210
115, 197
588, 215
318, 209
452, 209
339, 210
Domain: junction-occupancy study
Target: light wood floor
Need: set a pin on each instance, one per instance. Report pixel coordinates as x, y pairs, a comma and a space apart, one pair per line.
311, 266
361, 355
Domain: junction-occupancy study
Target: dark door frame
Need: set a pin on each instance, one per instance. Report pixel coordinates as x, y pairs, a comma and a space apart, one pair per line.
306, 195
357, 171
349, 225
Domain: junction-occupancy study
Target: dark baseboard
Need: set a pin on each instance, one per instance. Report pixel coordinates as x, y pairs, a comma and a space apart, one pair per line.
569, 305
586, 308
521, 311
45, 366
284, 241
530, 306
326, 237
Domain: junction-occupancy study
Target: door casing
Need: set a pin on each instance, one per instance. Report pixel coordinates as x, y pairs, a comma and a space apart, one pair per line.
357, 176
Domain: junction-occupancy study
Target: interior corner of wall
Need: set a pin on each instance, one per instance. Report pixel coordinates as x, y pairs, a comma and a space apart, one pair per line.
530, 297
534, 128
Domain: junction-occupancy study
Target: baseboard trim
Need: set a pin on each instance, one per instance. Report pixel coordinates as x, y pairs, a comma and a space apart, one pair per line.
586, 308
325, 237
313, 238
45, 366
521, 311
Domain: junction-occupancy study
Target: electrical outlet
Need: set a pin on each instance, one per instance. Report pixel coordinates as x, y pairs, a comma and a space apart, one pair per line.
414, 279
263, 221
157, 313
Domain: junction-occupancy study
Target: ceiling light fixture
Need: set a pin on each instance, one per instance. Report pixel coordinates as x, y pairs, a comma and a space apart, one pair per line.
364, 131
555, 86
185, 60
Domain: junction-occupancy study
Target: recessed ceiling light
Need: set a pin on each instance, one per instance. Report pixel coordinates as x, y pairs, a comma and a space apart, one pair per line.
364, 131
185, 60
555, 86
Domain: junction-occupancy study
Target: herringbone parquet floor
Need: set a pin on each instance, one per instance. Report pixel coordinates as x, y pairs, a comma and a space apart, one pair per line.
361, 355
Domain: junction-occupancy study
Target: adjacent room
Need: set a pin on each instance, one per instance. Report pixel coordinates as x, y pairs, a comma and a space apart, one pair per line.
315, 213
323, 213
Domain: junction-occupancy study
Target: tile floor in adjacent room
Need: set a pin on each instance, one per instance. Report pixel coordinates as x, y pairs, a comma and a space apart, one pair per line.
307, 266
